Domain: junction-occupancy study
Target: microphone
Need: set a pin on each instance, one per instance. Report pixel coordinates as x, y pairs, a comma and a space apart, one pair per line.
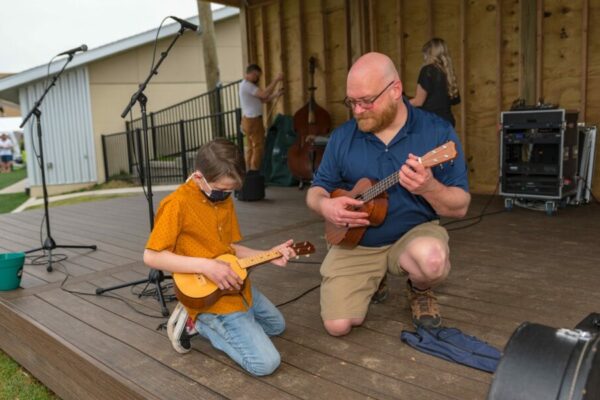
185, 24
83, 47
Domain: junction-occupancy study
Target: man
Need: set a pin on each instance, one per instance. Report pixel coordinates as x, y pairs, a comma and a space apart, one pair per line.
386, 136
251, 99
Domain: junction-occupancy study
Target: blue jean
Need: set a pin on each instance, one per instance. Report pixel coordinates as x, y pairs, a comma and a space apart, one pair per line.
244, 336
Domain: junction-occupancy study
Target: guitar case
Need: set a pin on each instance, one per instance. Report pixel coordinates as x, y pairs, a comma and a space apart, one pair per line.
541, 363
253, 188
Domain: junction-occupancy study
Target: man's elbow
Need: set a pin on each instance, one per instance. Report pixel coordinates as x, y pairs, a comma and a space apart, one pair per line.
462, 211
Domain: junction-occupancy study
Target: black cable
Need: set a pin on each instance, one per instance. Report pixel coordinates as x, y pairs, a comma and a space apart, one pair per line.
76, 292
479, 217
299, 296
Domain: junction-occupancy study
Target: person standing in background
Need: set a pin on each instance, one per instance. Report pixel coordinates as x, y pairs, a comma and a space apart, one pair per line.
6, 153
437, 89
251, 100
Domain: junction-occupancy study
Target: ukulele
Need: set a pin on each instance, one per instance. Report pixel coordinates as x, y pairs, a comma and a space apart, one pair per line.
197, 291
374, 196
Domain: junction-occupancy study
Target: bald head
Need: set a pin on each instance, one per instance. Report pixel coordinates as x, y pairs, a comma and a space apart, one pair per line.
371, 70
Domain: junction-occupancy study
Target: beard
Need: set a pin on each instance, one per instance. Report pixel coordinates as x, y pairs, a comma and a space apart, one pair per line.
373, 122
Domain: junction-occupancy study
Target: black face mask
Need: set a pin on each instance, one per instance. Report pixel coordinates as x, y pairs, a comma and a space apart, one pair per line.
216, 195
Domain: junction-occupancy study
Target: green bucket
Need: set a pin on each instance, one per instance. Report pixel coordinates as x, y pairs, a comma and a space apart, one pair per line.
11, 269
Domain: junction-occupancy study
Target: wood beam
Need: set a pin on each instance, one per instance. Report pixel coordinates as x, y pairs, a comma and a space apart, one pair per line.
539, 50
283, 56
245, 32
265, 47
430, 19
372, 25
463, 75
584, 58
326, 64
303, 58
528, 60
400, 41
499, 56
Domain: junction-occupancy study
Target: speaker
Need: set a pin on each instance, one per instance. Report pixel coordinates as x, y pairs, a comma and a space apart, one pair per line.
541, 363
253, 188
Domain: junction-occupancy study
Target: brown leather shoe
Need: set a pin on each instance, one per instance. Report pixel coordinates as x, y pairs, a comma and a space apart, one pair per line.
424, 307
382, 292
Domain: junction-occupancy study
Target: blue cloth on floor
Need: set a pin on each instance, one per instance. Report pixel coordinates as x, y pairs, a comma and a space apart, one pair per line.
453, 345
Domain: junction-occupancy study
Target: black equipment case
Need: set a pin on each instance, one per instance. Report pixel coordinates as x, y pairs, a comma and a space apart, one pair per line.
542, 363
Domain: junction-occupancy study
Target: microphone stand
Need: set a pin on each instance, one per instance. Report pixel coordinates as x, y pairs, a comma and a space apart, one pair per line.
49, 244
155, 276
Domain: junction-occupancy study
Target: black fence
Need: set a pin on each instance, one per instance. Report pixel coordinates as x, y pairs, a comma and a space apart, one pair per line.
220, 100
171, 146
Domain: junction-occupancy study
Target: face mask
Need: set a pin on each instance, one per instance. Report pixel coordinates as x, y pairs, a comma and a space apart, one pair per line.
216, 195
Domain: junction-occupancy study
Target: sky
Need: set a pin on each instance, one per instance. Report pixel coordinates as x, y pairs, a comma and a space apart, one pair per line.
33, 31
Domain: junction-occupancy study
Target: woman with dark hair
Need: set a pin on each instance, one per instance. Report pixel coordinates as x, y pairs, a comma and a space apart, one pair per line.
437, 90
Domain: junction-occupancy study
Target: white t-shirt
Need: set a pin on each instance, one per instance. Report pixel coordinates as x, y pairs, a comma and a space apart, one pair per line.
6, 147
251, 105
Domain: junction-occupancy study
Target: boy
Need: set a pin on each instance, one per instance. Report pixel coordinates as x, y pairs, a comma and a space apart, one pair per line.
194, 225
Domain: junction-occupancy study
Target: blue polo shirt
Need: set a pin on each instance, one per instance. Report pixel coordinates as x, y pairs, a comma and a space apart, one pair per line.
352, 154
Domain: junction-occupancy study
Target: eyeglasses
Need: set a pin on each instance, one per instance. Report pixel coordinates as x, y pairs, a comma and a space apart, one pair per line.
365, 103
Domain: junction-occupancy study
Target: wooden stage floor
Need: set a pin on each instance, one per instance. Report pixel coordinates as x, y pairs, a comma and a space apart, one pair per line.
511, 267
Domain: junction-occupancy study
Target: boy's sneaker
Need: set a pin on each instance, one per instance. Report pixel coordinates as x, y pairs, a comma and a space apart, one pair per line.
180, 328
382, 292
424, 307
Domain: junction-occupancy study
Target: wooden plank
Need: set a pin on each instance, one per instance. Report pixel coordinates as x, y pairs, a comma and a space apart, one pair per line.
283, 55
295, 381
528, 48
400, 41
481, 104
303, 62
336, 59
462, 134
510, 53
539, 51
372, 25
66, 370
561, 76
584, 58
499, 63
204, 372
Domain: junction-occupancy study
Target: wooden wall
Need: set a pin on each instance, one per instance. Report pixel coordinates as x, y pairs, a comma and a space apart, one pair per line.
485, 41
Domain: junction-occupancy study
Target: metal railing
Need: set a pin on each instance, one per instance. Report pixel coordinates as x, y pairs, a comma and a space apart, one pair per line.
172, 147
222, 99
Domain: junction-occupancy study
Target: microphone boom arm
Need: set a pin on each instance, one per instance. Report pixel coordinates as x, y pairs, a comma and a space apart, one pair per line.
154, 71
35, 108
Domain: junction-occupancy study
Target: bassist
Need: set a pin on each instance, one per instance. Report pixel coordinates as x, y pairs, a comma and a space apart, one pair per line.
385, 136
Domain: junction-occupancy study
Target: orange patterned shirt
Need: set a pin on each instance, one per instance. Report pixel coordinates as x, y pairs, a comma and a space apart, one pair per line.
188, 224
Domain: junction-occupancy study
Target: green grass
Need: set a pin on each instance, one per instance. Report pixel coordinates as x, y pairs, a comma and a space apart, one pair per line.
9, 202
16, 383
15, 176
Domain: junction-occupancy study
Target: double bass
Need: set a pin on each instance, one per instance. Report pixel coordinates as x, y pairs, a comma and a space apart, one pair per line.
310, 121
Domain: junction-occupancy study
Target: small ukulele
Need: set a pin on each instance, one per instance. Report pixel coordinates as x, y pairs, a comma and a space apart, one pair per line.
197, 291
373, 194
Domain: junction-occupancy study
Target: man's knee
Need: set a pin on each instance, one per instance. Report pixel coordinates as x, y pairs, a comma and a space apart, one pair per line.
341, 327
435, 265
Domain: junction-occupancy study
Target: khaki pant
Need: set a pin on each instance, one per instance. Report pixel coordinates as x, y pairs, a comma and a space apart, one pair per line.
254, 130
350, 276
